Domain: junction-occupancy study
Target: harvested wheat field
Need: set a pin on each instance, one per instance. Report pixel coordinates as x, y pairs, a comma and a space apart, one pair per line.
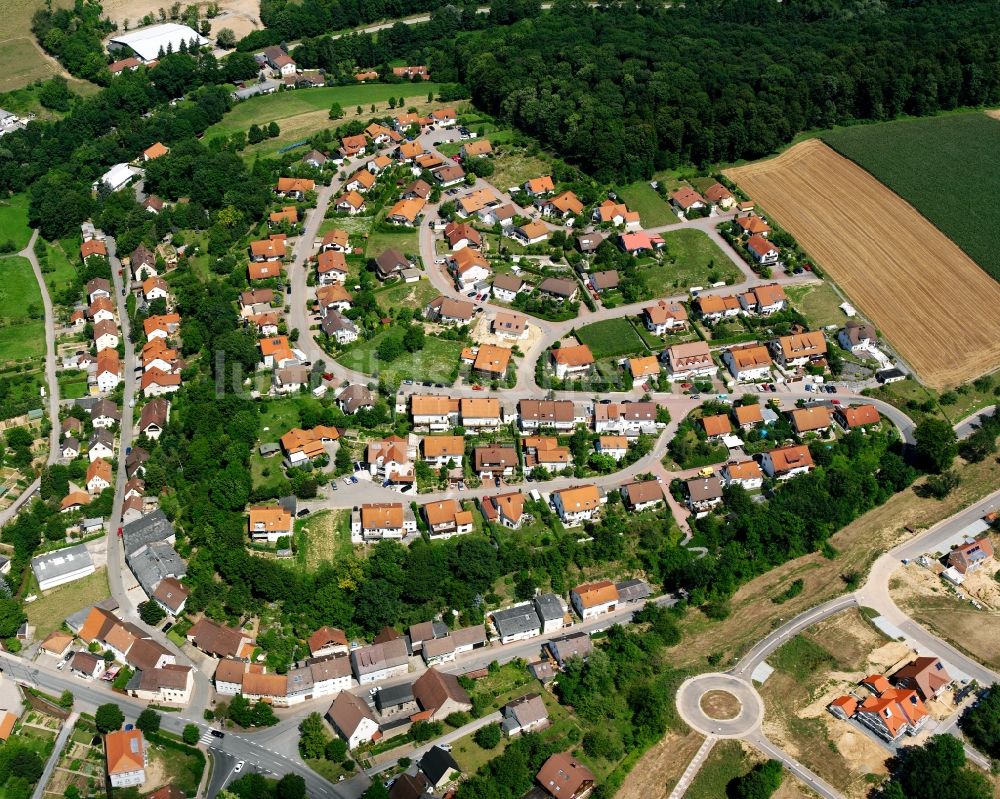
914, 283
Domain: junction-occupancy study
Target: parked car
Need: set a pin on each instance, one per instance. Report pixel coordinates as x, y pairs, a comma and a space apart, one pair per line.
303, 512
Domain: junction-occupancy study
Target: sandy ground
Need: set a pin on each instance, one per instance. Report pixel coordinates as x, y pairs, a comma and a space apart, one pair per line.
241, 16
720, 705
656, 773
914, 580
482, 335
994, 113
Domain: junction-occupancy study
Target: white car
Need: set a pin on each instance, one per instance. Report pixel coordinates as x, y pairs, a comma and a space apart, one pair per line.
239, 767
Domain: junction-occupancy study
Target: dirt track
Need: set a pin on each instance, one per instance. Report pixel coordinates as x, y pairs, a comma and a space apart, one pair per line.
929, 299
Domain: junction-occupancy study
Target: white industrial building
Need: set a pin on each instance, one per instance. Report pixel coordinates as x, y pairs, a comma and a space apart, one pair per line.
147, 42
62, 566
117, 177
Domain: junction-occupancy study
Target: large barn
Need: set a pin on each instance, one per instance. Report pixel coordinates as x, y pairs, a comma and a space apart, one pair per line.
146, 43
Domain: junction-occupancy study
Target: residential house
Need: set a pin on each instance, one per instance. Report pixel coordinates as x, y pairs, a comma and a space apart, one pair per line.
269, 523
98, 287
379, 662
617, 214
155, 288
86, 665
328, 641
516, 623
538, 187
784, 463
633, 591
339, 327
507, 287
687, 199
70, 448
171, 684
109, 370
719, 195
690, 361
563, 205
560, 288
334, 297
154, 417
438, 767
604, 281
446, 518
439, 451
355, 398
665, 317
270, 249
647, 366
353, 720
714, 307
572, 360
218, 640
626, 418
642, 495
925, 675
229, 676
105, 336
545, 414
762, 251
276, 352
578, 505
460, 235
389, 263
491, 361
336, 240
526, 714
171, 595
748, 416
587, 243
615, 446
815, 419
893, 713
417, 190
574, 645
594, 599
161, 326
102, 445
858, 337
315, 159
412, 72
379, 164
480, 148
970, 554
480, 414
389, 459
301, 445
551, 612
449, 311
92, 248
562, 776
361, 181
546, 453
104, 413
752, 226
350, 203
156, 383
703, 493
799, 349
494, 461
469, 268
434, 412
449, 175
641, 242
406, 212
857, 416
279, 61
748, 362
440, 694
101, 310
351, 146
125, 752
475, 202
506, 509
294, 188
373, 522
99, 476
142, 263
331, 267
743, 473
508, 325
502, 215
764, 300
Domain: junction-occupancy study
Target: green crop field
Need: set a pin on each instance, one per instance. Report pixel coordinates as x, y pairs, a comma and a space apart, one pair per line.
946, 167
281, 105
611, 338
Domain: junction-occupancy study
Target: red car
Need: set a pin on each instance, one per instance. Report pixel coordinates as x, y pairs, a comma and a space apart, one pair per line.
119, 532
478, 388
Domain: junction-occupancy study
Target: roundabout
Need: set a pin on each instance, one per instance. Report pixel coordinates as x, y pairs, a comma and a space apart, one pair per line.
720, 705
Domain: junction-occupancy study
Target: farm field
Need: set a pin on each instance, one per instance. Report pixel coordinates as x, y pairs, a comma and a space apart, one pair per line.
611, 338
435, 363
960, 150
653, 210
283, 105
22, 334
891, 265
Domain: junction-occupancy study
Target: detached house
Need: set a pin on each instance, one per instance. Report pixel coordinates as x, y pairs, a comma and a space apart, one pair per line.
331, 267
353, 720
687, 199
971, 554
505, 509
926, 675
816, 419
642, 496
493, 462
446, 518
594, 599
858, 338
373, 522
269, 523
351, 203
295, 188
439, 451
748, 362
743, 473
784, 463
538, 187
764, 300
469, 267
893, 713
762, 251
577, 505
480, 414
126, 758
573, 360
799, 349
703, 494
665, 317
562, 776
380, 661
507, 287
433, 411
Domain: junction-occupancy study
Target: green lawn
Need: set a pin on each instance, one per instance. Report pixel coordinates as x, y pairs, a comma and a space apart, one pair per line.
412, 295
61, 270
653, 210
47, 612
72, 384
960, 150
515, 168
692, 259
281, 105
279, 416
14, 221
435, 363
725, 762
265, 473
404, 240
818, 303
611, 338
21, 314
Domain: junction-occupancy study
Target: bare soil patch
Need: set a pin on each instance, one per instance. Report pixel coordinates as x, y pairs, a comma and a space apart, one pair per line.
242, 16
658, 771
721, 705
993, 113
904, 273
